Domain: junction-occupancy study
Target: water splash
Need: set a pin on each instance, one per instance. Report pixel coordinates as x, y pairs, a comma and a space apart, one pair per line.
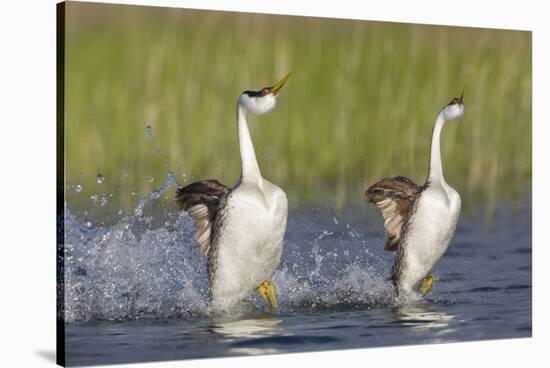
116, 273
137, 268
100, 178
155, 194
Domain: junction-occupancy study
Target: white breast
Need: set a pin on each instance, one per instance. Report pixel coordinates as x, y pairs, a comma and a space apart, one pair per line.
250, 245
430, 231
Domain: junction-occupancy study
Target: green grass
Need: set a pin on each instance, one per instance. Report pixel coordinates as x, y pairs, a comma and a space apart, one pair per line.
359, 106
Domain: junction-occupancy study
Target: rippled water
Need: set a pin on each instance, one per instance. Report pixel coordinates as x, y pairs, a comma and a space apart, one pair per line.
136, 290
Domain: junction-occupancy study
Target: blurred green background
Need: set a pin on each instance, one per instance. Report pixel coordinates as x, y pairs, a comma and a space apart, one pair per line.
153, 90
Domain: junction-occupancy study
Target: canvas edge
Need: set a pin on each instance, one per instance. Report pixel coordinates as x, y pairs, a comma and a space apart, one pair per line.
60, 181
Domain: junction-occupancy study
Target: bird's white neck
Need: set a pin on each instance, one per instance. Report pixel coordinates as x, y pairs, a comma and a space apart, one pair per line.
435, 175
250, 171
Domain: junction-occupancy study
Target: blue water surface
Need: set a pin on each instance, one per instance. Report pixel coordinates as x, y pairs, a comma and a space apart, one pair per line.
135, 290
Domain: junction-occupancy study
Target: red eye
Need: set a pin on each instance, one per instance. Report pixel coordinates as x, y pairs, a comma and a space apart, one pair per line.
265, 91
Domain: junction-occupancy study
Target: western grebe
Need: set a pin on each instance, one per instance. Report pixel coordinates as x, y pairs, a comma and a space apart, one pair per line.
240, 229
419, 221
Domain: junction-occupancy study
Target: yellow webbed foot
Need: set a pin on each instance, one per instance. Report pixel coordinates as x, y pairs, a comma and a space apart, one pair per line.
425, 285
267, 291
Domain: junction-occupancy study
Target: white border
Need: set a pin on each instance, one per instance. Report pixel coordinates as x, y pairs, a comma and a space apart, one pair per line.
27, 152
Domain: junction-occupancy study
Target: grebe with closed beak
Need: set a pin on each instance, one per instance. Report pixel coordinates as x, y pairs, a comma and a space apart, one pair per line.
419, 221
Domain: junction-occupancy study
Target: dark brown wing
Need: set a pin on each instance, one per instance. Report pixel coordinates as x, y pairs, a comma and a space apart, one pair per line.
395, 197
201, 200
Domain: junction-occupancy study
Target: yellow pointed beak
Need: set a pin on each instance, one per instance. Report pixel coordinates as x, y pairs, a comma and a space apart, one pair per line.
276, 88
267, 291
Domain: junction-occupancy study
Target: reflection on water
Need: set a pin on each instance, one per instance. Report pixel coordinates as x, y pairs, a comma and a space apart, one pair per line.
423, 317
249, 330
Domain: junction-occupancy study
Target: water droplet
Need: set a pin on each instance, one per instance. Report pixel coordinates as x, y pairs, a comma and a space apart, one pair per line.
160, 150
88, 224
151, 180
78, 188
100, 178
103, 199
94, 198
149, 130
335, 220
